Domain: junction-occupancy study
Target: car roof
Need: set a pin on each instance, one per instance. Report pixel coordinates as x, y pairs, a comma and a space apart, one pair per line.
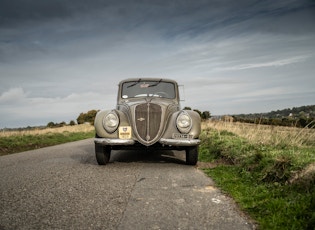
147, 79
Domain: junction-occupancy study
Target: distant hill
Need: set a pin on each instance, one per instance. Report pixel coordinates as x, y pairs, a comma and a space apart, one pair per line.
302, 111
297, 116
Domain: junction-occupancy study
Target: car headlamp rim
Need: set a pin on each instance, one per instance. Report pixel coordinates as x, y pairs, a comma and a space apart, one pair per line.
111, 122
183, 122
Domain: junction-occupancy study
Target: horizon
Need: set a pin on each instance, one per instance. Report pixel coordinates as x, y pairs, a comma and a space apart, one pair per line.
75, 120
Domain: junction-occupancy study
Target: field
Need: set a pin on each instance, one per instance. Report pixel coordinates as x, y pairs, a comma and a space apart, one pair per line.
17, 141
64, 129
266, 134
268, 170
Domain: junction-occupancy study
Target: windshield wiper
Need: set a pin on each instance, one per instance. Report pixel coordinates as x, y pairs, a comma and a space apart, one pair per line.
155, 83
135, 83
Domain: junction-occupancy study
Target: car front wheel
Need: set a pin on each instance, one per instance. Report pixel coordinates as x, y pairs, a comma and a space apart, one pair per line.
102, 154
192, 155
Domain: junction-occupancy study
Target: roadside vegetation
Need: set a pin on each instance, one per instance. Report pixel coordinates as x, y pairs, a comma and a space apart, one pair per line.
14, 140
268, 170
23, 140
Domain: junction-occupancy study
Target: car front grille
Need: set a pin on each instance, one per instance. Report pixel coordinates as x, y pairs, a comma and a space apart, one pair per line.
148, 120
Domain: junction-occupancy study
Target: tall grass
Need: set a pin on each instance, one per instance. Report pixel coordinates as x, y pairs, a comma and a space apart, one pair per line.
267, 134
18, 141
38, 131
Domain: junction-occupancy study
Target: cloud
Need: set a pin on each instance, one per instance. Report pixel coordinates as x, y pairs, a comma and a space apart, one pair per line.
13, 95
20, 109
275, 63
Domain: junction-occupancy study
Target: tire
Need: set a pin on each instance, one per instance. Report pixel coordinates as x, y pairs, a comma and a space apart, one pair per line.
102, 154
192, 155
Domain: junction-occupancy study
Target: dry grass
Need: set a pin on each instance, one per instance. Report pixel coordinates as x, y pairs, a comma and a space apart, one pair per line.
70, 129
266, 134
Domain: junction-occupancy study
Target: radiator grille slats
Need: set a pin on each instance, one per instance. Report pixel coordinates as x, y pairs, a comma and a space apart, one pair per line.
141, 120
148, 121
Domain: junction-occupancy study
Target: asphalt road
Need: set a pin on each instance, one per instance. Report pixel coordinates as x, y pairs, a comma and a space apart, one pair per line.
62, 187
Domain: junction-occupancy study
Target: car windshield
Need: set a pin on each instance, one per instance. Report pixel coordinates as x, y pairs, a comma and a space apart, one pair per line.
143, 88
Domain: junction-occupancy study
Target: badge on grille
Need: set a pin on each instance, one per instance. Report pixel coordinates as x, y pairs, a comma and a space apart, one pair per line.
141, 119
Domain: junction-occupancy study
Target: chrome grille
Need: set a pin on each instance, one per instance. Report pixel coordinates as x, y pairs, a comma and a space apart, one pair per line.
148, 119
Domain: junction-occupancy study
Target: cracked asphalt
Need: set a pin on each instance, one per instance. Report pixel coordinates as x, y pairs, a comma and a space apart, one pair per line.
62, 187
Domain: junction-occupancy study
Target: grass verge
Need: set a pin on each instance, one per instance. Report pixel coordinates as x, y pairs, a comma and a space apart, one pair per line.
18, 142
273, 183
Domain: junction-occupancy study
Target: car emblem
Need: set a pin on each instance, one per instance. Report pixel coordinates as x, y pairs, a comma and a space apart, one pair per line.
141, 119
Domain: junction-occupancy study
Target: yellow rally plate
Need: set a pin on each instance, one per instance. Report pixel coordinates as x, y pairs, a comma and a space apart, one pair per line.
125, 132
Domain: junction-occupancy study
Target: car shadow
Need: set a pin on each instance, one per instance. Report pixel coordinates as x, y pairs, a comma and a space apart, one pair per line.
151, 156
87, 156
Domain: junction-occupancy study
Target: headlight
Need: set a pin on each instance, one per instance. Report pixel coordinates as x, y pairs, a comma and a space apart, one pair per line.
183, 122
111, 122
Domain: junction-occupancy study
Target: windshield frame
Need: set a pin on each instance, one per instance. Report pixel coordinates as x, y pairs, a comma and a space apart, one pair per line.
157, 88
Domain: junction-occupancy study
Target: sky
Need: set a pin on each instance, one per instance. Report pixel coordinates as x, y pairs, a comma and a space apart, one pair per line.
59, 58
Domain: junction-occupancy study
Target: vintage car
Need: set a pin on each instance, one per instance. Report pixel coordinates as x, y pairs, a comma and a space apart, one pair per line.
147, 115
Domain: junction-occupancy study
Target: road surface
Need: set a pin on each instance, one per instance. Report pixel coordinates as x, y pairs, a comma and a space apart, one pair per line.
62, 187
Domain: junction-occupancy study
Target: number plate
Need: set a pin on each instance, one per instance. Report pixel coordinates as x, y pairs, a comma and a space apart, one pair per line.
182, 136
124, 132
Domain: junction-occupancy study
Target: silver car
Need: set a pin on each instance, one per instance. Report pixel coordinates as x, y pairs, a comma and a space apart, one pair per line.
147, 115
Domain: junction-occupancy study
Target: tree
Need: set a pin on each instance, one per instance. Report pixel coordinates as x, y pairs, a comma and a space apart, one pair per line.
72, 123
302, 122
196, 110
205, 115
81, 118
63, 123
87, 117
51, 124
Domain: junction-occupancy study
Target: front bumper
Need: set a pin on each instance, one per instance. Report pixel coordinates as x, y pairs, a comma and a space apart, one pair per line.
110, 141
179, 142
162, 141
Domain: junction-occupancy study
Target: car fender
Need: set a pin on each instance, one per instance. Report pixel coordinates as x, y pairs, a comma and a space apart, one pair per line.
172, 128
98, 123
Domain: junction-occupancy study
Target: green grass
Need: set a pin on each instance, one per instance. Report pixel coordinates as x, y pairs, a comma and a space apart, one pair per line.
259, 178
18, 143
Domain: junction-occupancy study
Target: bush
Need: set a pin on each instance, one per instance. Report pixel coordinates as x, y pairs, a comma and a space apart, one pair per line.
72, 123
87, 117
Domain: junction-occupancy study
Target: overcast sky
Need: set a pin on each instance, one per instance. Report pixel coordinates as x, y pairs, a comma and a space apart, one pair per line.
60, 58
